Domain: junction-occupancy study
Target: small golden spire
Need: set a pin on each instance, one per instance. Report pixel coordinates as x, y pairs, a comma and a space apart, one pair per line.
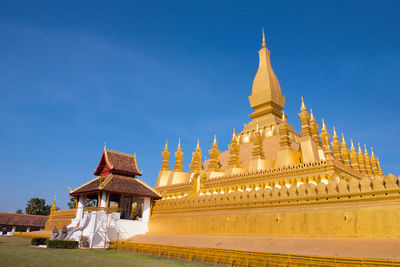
314, 128
336, 146
361, 161
284, 140
379, 167
324, 133
367, 161
354, 157
214, 155
263, 39
165, 158
195, 165
198, 145
303, 106
305, 119
234, 137
234, 148
178, 158
53, 208
327, 149
258, 151
374, 163
345, 153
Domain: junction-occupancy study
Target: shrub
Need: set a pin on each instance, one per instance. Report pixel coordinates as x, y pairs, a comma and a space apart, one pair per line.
62, 244
84, 241
36, 241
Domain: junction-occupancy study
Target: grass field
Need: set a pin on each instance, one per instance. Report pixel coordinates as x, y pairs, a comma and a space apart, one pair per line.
18, 252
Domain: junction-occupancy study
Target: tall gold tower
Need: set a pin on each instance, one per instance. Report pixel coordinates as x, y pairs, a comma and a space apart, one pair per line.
266, 98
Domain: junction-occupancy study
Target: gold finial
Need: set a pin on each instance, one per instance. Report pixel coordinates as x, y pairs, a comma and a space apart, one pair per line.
198, 145
311, 115
323, 125
104, 145
54, 201
303, 106
334, 132
365, 149
178, 158
283, 116
234, 133
352, 145
214, 154
166, 145
372, 151
343, 141
359, 148
263, 40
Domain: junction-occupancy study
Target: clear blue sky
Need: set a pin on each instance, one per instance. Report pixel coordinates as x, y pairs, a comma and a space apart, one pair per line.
76, 74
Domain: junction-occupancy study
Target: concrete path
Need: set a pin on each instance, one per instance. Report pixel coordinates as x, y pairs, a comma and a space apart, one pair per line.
339, 247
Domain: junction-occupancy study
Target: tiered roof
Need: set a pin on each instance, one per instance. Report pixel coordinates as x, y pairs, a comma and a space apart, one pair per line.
117, 173
117, 163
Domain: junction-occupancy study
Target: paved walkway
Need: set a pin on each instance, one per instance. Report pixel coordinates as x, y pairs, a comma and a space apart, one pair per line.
339, 247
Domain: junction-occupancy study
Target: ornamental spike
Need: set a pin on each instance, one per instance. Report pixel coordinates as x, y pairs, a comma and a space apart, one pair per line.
263, 39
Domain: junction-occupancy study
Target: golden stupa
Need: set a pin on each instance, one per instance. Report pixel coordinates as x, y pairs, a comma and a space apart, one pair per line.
273, 181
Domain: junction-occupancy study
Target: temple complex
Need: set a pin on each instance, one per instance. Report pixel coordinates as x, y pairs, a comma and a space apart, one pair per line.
271, 190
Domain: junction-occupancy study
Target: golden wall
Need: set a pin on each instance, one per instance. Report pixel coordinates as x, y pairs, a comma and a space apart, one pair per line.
60, 218
367, 208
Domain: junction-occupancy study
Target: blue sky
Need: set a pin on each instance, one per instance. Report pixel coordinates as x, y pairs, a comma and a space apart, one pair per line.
76, 74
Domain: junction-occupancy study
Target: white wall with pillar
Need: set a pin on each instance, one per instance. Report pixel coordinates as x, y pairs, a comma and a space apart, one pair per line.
81, 205
103, 200
146, 209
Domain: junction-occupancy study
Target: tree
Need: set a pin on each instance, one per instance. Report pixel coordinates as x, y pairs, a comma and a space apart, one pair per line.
88, 203
72, 204
37, 206
19, 211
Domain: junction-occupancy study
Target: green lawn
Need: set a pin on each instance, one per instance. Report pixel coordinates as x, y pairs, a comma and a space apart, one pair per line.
18, 252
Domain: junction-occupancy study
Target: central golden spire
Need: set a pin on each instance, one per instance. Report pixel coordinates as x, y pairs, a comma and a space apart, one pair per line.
266, 98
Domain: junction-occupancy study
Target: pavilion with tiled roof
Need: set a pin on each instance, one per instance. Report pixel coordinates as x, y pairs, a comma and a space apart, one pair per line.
117, 182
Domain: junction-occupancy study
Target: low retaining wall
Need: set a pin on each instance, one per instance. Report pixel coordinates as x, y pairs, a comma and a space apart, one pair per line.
243, 258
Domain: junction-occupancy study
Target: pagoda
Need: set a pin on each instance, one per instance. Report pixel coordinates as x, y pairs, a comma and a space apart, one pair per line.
274, 181
122, 202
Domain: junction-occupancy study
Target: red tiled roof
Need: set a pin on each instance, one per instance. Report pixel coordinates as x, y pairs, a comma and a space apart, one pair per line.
123, 185
117, 163
91, 186
22, 219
